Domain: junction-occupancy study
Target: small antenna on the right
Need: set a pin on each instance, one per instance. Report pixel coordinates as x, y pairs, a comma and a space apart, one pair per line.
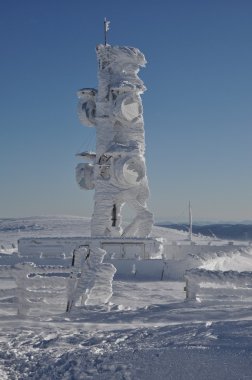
190, 221
106, 29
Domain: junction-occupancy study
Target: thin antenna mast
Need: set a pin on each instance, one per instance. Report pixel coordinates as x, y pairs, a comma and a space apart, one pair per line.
190, 222
106, 29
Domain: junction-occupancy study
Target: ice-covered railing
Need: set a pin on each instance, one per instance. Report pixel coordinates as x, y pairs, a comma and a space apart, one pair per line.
207, 284
30, 289
8, 287
27, 287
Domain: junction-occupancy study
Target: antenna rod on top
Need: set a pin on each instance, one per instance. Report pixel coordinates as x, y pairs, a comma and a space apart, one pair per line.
106, 29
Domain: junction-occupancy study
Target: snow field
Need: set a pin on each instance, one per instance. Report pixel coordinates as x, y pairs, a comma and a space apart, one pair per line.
146, 331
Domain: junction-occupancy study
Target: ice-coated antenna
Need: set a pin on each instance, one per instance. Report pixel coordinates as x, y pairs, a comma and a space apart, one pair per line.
106, 29
190, 222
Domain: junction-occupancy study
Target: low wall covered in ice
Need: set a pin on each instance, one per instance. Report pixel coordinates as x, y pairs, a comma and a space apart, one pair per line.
115, 248
205, 284
179, 250
127, 254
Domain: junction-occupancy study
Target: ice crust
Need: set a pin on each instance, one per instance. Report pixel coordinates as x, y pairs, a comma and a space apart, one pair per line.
94, 285
118, 172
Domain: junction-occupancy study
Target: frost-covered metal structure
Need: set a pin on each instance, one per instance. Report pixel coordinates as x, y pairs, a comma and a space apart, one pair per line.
117, 170
81, 269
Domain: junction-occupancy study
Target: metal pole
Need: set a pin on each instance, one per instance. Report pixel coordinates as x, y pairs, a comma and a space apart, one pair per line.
190, 222
105, 31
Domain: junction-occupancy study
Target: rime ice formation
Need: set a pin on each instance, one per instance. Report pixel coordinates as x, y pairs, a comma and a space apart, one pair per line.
91, 280
117, 171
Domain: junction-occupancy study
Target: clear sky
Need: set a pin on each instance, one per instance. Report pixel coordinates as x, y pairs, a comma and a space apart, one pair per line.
197, 110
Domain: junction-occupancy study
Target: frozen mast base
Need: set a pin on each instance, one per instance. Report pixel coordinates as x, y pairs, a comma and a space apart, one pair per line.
117, 171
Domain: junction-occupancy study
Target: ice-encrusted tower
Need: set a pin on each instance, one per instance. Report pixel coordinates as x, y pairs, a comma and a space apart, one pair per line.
117, 170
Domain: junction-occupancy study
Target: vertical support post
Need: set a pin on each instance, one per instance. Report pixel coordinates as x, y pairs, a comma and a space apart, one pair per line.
187, 289
191, 289
114, 216
190, 222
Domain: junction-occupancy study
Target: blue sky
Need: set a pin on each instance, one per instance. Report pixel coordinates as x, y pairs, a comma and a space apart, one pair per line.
197, 110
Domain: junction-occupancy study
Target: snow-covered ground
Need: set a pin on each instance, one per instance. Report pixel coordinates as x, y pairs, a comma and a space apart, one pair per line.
148, 330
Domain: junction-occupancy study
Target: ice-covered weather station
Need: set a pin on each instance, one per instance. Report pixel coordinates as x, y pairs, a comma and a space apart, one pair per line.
53, 275
117, 170
83, 267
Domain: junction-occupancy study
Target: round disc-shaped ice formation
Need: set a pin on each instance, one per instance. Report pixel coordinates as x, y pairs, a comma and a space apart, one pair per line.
85, 176
130, 108
129, 171
87, 106
86, 112
127, 107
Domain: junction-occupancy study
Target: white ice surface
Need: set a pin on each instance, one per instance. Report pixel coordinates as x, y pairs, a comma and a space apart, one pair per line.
147, 331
